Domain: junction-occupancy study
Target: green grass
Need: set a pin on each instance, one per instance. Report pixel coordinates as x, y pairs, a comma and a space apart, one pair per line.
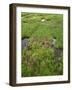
38, 59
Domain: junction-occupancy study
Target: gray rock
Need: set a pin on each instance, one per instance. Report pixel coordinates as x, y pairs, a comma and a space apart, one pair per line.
24, 43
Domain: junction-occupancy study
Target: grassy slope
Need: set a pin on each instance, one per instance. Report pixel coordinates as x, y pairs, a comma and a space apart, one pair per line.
41, 58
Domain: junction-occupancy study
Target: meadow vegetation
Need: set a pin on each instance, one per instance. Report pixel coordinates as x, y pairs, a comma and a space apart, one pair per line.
40, 57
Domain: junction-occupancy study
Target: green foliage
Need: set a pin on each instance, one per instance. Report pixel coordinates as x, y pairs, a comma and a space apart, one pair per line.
38, 58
